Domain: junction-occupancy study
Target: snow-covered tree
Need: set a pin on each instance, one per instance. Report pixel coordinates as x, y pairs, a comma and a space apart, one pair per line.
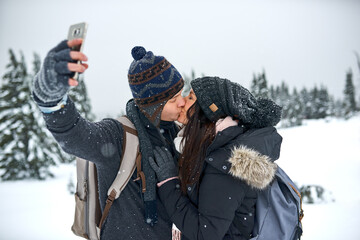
319, 102
358, 84
324, 103
259, 86
272, 93
295, 110
306, 100
349, 104
284, 99
338, 108
306, 104
332, 106
26, 147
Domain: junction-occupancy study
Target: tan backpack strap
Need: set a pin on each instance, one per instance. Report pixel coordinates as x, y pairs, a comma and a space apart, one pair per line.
130, 130
108, 205
128, 159
130, 155
140, 173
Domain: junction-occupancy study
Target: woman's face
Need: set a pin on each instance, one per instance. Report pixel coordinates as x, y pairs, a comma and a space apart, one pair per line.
189, 101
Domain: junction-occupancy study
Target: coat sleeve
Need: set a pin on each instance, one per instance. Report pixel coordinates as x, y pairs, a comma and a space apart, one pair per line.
82, 138
219, 198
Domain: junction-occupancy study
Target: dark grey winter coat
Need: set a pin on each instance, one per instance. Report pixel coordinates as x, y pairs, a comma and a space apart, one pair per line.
101, 143
222, 205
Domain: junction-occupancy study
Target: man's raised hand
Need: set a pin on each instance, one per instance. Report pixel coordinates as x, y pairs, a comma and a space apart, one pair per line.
55, 77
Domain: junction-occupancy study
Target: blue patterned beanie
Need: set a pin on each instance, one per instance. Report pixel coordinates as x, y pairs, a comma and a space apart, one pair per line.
153, 81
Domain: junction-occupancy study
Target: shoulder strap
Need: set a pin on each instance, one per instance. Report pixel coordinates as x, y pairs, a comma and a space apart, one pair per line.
130, 156
280, 173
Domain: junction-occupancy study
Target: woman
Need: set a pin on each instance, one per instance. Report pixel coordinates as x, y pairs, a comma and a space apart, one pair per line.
229, 145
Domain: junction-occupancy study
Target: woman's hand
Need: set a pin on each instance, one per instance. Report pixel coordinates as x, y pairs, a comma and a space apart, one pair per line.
163, 165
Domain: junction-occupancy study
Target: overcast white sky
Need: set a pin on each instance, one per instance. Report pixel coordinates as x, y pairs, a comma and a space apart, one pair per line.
304, 42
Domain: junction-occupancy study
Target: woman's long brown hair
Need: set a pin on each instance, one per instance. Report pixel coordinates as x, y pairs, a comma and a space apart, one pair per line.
198, 135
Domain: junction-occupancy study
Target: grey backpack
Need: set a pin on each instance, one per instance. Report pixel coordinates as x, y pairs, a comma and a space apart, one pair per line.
278, 210
88, 216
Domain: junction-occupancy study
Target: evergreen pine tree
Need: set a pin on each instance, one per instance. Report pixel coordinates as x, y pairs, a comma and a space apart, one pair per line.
284, 99
295, 109
338, 108
280, 95
36, 63
357, 59
254, 86
306, 100
259, 86
314, 102
27, 150
324, 103
272, 93
332, 106
358, 84
263, 86
319, 102
349, 104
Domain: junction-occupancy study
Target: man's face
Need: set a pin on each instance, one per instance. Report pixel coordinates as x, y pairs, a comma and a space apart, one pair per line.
189, 101
173, 108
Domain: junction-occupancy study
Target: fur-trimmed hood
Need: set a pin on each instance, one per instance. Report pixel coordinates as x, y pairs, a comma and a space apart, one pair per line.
249, 165
248, 155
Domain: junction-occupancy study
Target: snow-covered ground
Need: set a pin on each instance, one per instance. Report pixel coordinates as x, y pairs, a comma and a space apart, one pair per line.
325, 153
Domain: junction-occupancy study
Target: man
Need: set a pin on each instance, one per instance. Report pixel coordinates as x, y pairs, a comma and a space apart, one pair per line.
157, 102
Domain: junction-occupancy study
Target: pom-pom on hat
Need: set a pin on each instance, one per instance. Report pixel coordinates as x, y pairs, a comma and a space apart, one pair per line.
138, 53
153, 81
220, 97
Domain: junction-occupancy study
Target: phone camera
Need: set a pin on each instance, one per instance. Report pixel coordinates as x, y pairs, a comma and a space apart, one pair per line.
76, 32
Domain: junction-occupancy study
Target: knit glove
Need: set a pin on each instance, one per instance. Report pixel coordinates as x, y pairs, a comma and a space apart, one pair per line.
163, 165
51, 82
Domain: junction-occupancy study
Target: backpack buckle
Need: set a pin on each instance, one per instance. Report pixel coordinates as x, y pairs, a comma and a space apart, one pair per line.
301, 215
111, 197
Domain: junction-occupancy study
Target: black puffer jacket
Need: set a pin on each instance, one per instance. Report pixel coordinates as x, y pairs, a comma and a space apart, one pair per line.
222, 205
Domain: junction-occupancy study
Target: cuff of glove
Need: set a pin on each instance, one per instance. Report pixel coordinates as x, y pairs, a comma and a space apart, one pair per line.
166, 180
57, 107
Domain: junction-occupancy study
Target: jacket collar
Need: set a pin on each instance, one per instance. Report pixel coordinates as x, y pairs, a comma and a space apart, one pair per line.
225, 137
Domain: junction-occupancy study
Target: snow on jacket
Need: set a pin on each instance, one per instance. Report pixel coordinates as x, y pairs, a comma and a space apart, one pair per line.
222, 205
101, 143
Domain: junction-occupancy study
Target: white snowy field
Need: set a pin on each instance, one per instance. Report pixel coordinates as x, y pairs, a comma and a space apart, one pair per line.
325, 153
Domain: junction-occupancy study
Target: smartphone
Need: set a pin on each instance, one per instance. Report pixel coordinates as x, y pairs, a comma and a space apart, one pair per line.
78, 31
